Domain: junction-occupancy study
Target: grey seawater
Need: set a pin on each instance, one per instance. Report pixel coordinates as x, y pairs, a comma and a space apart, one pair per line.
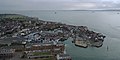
106, 22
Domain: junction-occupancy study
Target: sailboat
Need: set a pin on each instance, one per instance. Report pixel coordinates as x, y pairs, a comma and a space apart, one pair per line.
55, 12
107, 48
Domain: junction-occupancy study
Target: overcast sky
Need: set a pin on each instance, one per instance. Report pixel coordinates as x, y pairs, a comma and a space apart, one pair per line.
58, 4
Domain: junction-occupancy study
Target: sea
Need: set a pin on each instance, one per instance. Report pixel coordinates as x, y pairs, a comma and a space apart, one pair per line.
105, 22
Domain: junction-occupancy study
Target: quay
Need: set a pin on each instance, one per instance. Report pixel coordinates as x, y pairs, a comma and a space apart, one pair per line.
81, 43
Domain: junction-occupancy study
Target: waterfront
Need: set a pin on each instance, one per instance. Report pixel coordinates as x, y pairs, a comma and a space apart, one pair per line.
106, 22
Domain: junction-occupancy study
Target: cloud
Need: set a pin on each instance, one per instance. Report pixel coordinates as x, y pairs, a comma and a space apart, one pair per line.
57, 4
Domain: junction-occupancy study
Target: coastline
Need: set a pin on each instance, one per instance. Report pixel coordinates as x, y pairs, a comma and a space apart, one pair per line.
77, 53
69, 30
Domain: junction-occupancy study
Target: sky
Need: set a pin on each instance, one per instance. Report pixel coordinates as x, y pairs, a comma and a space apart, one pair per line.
58, 4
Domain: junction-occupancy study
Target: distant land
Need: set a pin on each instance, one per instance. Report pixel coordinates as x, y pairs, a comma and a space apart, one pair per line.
98, 10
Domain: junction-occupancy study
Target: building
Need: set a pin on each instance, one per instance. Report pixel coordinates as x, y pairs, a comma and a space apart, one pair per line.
55, 48
63, 57
6, 53
39, 54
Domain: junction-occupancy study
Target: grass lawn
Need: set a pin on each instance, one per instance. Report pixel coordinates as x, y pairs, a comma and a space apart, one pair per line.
50, 58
